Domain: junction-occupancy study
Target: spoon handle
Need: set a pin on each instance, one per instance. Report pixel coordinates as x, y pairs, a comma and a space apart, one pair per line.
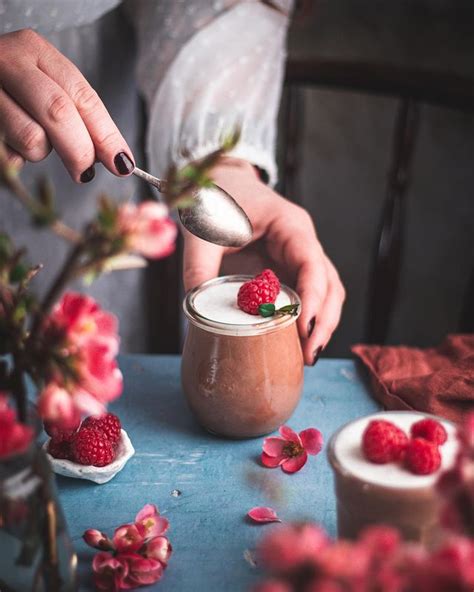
157, 183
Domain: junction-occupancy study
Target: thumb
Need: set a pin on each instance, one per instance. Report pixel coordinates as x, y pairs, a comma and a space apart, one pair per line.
201, 260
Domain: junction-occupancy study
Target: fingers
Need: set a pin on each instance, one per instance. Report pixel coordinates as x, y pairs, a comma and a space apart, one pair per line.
56, 113
21, 132
201, 260
312, 287
110, 147
318, 331
45, 101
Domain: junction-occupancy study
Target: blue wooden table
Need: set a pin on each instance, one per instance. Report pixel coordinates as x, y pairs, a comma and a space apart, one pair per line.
219, 480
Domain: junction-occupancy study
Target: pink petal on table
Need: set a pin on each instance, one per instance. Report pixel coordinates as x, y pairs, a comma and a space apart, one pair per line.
294, 464
272, 461
289, 434
312, 440
263, 515
273, 446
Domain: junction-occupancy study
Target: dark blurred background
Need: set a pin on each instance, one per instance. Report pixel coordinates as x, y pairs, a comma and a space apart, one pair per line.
360, 75
376, 140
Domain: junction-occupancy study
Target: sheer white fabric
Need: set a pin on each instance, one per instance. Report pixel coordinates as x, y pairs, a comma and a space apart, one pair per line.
205, 67
227, 74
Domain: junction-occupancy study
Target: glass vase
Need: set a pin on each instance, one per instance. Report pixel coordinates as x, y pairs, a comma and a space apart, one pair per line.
36, 553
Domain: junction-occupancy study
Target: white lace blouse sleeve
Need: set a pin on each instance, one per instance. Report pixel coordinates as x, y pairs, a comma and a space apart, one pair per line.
226, 71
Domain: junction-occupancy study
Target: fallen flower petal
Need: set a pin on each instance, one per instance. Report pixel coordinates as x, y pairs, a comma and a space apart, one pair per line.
272, 461
263, 515
292, 465
312, 440
273, 446
289, 434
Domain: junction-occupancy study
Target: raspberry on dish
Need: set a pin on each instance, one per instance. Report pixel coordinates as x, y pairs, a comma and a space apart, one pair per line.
383, 442
422, 456
60, 449
254, 293
92, 447
108, 423
59, 434
430, 430
271, 278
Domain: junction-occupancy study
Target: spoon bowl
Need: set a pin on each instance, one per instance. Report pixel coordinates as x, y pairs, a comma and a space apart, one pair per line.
214, 215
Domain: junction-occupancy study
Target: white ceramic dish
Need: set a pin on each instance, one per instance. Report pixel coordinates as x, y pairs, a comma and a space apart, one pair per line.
99, 475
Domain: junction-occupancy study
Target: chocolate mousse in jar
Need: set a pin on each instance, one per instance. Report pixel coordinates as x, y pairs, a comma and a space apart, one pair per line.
242, 374
369, 493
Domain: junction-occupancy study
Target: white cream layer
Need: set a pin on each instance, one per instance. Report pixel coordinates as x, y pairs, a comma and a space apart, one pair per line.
348, 452
218, 303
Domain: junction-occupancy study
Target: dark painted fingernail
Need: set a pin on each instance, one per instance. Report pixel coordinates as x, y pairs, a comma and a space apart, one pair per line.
88, 175
123, 164
317, 353
311, 326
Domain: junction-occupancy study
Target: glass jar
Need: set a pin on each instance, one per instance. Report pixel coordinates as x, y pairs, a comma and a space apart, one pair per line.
242, 374
36, 553
368, 493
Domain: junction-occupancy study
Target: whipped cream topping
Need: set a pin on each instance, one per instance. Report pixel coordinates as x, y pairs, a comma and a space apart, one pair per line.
348, 452
218, 303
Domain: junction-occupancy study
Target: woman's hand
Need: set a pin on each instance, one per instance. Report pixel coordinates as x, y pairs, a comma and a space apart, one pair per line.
46, 103
285, 240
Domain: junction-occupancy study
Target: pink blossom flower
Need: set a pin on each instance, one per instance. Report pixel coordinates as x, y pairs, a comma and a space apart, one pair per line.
158, 548
82, 319
329, 585
273, 585
109, 572
381, 540
129, 537
141, 570
147, 229
262, 514
292, 449
288, 547
344, 560
98, 372
149, 518
86, 375
15, 437
98, 540
57, 406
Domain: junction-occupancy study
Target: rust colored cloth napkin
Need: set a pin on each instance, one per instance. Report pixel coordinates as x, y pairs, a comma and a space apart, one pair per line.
438, 380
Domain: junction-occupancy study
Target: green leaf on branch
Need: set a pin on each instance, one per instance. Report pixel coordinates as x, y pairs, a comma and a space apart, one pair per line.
18, 273
291, 309
5, 248
108, 214
42, 217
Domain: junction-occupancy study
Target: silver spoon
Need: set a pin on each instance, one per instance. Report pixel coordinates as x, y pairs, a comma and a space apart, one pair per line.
214, 216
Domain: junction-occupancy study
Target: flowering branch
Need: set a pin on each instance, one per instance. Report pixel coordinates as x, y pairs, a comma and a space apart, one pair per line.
136, 555
69, 348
